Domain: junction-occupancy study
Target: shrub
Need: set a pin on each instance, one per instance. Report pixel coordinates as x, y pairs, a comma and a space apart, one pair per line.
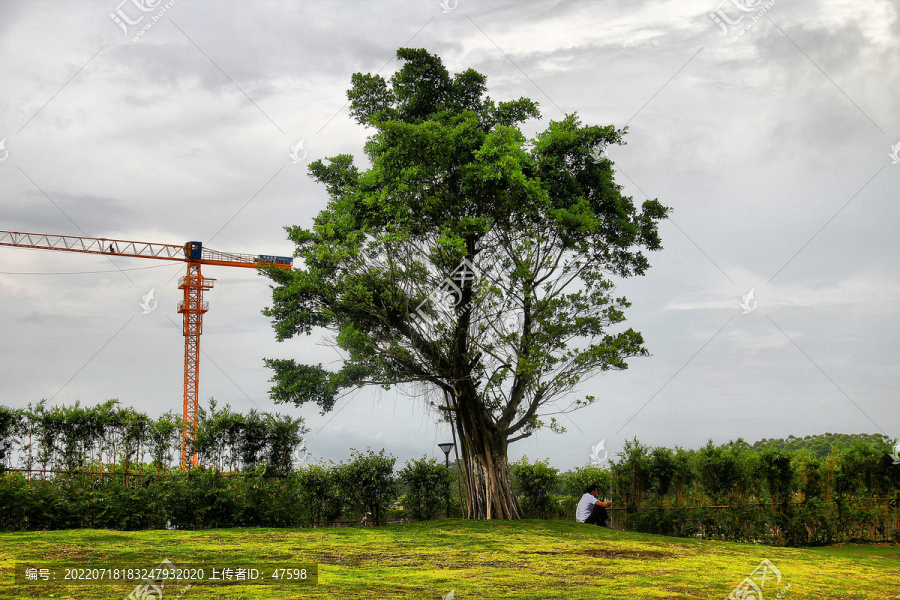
15, 498
320, 494
535, 483
575, 482
368, 482
428, 487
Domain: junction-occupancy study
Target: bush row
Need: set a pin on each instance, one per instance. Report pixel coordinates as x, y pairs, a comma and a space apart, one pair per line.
203, 498
733, 492
73, 437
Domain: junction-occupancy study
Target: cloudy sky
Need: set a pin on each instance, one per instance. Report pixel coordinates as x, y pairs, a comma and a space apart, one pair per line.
768, 127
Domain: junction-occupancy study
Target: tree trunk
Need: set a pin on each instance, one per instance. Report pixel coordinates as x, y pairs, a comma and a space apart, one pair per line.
489, 488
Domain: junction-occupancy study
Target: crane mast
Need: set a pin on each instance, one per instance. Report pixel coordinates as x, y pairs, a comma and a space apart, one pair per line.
192, 307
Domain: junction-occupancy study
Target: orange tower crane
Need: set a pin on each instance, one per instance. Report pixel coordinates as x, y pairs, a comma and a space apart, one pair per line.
192, 306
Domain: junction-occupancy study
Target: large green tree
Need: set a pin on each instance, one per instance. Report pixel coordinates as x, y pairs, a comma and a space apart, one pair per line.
466, 260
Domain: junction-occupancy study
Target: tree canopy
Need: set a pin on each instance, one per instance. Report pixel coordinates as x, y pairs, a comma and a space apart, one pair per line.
466, 258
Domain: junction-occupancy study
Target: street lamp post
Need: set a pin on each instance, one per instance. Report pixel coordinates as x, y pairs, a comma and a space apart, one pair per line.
447, 447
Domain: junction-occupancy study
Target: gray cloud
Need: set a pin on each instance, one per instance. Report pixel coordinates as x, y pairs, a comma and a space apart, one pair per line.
768, 157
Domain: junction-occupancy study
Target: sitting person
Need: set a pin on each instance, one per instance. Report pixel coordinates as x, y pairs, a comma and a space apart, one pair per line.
590, 510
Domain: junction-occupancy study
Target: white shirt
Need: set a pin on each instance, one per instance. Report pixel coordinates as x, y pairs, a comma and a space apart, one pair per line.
585, 506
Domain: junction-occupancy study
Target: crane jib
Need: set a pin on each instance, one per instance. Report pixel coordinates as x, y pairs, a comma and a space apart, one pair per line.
189, 252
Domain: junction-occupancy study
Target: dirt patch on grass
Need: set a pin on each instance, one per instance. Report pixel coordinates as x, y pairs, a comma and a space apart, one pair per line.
75, 555
359, 560
629, 554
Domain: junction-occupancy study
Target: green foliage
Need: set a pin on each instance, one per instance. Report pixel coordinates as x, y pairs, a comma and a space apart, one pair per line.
779, 473
632, 473
722, 473
118, 469
83, 438
321, 495
16, 497
535, 483
367, 483
758, 494
152, 497
821, 445
863, 469
541, 222
664, 522
11, 426
662, 470
228, 441
577, 481
774, 496
196, 499
164, 439
428, 487
685, 472
810, 470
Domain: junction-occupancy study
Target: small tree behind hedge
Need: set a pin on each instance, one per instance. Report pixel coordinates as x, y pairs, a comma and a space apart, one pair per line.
428, 486
368, 482
535, 483
321, 495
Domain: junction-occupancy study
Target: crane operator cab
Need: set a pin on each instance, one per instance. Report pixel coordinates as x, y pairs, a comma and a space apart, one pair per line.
193, 250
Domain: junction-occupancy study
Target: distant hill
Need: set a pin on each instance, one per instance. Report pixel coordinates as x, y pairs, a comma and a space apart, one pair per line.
821, 445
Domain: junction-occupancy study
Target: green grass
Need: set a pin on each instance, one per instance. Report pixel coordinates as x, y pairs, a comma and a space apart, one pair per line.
477, 559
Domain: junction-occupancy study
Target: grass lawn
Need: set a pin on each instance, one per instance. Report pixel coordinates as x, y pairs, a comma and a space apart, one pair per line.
473, 559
